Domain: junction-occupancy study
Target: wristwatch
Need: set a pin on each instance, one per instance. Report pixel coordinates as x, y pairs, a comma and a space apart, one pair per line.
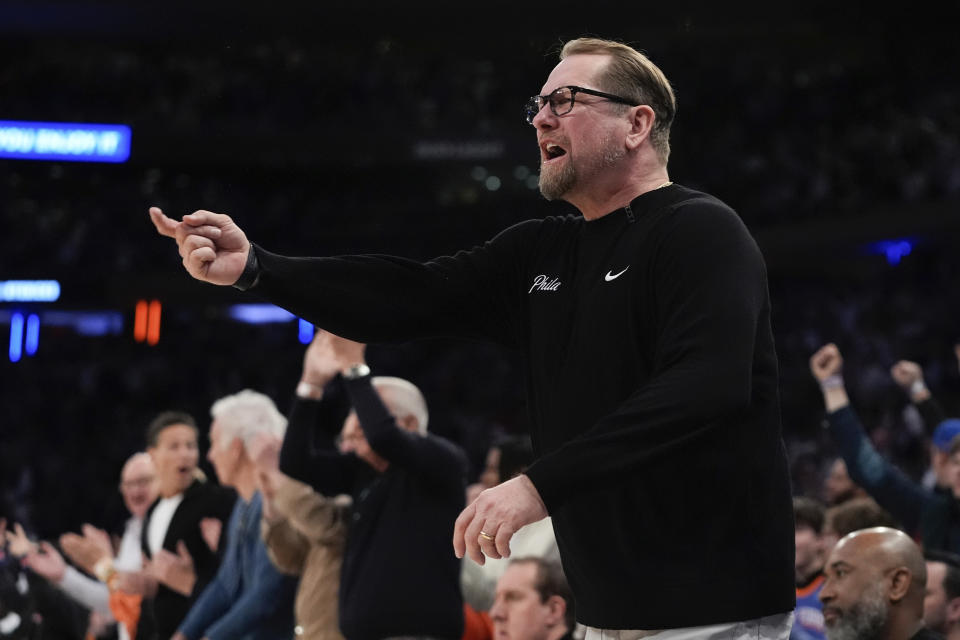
356, 371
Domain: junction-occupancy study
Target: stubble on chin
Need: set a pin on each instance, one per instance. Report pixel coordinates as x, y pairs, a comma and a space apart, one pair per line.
556, 181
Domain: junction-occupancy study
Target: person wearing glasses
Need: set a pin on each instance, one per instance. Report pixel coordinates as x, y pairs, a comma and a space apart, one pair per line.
651, 372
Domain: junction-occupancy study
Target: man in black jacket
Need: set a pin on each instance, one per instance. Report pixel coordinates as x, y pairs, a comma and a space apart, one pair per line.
398, 576
651, 371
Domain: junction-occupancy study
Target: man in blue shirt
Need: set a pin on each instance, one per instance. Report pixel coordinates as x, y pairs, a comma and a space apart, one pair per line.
248, 599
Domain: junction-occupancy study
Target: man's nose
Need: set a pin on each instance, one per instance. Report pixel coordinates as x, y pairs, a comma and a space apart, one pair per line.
544, 119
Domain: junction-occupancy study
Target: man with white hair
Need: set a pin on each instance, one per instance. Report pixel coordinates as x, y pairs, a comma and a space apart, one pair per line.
398, 576
248, 599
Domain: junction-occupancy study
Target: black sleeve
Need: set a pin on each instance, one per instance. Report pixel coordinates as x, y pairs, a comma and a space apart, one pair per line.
932, 414
437, 461
217, 502
309, 454
375, 298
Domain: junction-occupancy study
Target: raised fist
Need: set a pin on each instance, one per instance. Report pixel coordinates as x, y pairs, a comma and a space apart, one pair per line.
826, 362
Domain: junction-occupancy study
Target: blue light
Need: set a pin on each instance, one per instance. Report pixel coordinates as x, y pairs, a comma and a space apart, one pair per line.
72, 141
16, 337
306, 331
29, 290
894, 250
33, 334
259, 313
86, 323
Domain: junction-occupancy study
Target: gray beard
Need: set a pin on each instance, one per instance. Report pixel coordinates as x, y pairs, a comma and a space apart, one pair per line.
556, 183
864, 620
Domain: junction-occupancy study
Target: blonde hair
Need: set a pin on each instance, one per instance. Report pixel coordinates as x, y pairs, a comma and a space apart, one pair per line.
632, 75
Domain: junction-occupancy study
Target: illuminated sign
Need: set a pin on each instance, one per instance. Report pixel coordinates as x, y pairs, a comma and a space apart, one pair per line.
64, 141
29, 290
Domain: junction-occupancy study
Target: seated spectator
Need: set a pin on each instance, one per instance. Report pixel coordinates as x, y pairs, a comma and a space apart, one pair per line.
177, 538
533, 602
838, 487
853, 515
138, 488
305, 534
875, 586
30, 607
511, 457
399, 577
941, 607
248, 599
934, 514
808, 517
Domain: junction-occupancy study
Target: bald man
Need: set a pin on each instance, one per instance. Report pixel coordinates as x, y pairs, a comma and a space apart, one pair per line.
875, 586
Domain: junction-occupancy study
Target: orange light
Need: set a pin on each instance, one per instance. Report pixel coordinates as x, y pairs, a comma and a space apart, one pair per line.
153, 323
140, 322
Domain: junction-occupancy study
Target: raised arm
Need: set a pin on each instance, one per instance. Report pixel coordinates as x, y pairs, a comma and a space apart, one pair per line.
889, 486
909, 377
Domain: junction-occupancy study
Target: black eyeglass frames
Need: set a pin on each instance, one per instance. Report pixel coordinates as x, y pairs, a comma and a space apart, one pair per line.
561, 101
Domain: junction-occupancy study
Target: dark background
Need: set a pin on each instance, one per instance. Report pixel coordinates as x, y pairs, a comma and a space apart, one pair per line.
371, 127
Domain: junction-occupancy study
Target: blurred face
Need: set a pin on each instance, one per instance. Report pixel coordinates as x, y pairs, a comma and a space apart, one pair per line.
808, 552
854, 595
588, 140
138, 484
838, 485
175, 458
951, 472
352, 440
518, 612
223, 455
935, 600
829, 538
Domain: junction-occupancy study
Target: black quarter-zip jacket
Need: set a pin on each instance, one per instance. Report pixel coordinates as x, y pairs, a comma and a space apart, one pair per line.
652, 391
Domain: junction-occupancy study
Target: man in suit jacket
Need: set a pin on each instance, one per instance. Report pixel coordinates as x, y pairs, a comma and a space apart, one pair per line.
181, 529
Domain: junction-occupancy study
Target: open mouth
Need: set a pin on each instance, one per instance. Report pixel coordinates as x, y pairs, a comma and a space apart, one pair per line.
552, 151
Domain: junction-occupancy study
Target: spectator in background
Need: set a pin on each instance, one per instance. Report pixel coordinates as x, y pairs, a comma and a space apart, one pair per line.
875, 586
533, 602
248, 599
30, 607
305, 534
139, 490
177, 538
399, 577
935, 515
510, 456
808, 518
941, 607
853, 515
909, 377
838, 487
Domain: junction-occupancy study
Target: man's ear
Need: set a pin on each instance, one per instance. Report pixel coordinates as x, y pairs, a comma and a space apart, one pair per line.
641, 123
557, 609
953, 611
408, 422
900, 581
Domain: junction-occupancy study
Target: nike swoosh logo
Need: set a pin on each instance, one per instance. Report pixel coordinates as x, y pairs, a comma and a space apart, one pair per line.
610, 276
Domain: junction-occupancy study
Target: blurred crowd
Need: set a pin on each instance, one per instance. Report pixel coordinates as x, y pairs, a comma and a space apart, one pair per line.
317, 139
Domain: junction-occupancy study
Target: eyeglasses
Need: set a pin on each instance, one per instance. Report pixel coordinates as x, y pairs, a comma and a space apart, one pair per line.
136, 483
561, 101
